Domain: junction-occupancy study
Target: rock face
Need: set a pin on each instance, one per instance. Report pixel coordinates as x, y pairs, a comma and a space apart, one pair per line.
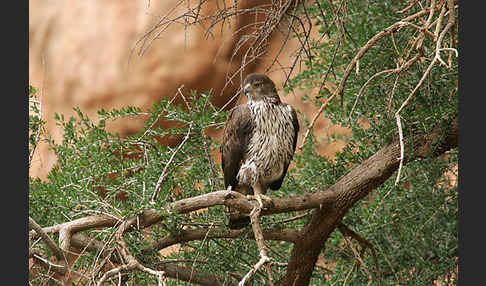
95, 54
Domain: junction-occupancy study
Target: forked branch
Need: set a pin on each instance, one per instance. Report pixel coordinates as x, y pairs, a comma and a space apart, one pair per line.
265, 260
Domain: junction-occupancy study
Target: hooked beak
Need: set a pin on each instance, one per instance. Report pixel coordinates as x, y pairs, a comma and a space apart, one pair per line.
246, 89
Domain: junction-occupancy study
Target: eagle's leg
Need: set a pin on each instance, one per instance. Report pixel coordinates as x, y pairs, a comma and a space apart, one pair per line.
259, 195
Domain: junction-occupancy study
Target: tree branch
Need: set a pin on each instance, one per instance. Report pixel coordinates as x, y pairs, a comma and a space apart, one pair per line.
164, 172
131, 263
241, 203
289, 235
48, 241
354, 186
258, 235
364, 244
145, 218
190, 275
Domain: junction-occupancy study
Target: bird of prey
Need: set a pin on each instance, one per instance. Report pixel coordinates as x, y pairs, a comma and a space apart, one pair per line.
259, 141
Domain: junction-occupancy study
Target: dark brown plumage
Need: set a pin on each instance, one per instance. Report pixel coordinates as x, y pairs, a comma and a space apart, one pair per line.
259, 141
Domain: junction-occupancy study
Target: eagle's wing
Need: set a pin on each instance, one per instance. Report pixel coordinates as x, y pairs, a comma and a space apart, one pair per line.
295, 122
236, 136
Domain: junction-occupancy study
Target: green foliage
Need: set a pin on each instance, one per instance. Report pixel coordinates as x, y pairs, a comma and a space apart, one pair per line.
35, 121
413, 225
95, 167
91, 160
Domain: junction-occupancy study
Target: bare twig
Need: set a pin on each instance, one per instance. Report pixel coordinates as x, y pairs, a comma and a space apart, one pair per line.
437, 53
297, 217
314, 119
60, 255
402, 148
413, 2
392, 92
115, 271
214, 174
355, 263
371, 43
364, 86
364, 244
397, 70
50, 265
164, 172
131, 262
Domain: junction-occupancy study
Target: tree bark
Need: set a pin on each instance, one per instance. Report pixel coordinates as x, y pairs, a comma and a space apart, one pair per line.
354, 186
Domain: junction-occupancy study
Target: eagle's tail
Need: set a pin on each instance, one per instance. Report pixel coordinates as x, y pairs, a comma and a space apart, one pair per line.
238, 220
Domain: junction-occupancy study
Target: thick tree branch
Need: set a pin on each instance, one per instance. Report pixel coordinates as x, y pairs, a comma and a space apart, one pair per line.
354, 186
83, 241
242, 204
190, 275
289, 235
145, 218
81, 224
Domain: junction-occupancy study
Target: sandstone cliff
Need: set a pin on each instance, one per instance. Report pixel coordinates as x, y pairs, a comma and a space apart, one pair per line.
88, 54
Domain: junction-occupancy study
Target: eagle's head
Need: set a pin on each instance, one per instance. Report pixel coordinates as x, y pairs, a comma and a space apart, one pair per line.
259, 87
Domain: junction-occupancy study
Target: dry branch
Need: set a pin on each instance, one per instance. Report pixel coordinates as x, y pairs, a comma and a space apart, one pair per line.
81, 224
48, 241
164, 172
48, 265
358, 260
190, 275
131, 263
289, 235
364, 244
438, 49
371, 42
242, 204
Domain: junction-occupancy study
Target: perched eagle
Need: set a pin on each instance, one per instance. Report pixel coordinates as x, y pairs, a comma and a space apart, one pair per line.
259, 141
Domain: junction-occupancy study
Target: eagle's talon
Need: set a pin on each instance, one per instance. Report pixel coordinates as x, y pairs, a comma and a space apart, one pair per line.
260, 198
